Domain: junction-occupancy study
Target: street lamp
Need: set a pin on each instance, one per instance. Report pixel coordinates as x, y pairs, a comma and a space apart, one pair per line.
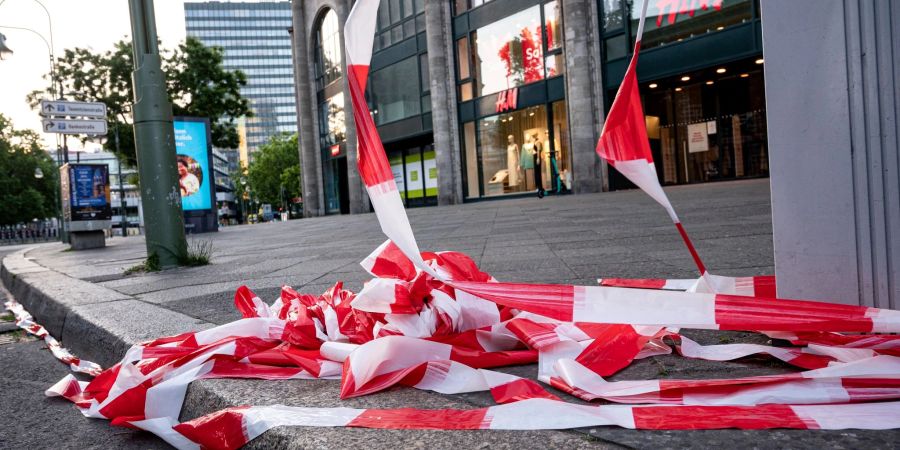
38, 173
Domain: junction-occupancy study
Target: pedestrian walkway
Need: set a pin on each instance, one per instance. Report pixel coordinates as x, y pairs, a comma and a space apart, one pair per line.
569, 239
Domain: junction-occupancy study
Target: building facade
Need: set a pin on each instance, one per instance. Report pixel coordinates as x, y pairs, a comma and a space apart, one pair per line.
478, 99
255, 40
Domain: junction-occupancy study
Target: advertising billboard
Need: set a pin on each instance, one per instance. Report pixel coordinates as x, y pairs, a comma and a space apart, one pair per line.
86, 192
196, 180
195, 177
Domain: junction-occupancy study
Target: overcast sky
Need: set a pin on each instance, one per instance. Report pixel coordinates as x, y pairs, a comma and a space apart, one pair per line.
96, 24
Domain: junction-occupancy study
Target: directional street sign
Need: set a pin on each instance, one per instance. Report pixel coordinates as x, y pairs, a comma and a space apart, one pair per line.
73, 126
50, 108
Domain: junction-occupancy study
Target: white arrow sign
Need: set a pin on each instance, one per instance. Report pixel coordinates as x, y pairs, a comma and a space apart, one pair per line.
51, 108
72, 126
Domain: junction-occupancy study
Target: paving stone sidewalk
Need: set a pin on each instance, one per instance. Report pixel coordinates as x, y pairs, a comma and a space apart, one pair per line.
567, 239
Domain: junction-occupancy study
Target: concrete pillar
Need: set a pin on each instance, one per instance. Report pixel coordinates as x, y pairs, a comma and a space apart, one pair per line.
583, 104
444, 115
308, 142
832, 103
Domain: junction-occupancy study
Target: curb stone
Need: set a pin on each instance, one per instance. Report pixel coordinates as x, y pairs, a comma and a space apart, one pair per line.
94, 322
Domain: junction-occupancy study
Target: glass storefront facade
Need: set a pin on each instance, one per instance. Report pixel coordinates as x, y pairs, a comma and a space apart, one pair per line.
399, 96
513, 120
331, 117
415, 172
702, 86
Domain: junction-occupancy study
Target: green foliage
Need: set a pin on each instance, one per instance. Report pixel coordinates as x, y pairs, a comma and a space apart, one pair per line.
22, 196
196, 82
276, 164
199, 253
151, 264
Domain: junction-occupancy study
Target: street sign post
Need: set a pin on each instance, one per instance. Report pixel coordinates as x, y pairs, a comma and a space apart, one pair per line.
74, 126
61, 108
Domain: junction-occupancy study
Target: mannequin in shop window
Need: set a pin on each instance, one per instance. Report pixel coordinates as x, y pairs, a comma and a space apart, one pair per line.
527, 161
512, 163
538, 155
546, 166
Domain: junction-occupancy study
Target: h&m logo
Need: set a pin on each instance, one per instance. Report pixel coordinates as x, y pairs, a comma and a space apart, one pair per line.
507, 100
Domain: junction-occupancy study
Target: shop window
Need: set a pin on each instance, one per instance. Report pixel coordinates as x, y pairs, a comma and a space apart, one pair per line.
675, 20
560, 169
553, 25
555, 64
394, 91
384, 16
460, 6
465, 92
708, 131
509, 52
409, 29
328, 50
395, 10
472, 178
332, 122
462, 52
425, 72
612, 16
399, 172
512, 149
615, 47
398, 20
426, 104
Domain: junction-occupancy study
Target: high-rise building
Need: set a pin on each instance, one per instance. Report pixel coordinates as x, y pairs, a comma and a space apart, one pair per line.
255, 40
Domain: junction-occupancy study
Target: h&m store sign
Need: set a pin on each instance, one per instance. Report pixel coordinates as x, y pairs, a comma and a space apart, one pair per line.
669, 10
507, 100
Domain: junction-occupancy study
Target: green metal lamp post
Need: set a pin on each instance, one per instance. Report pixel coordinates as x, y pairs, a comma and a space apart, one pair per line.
155, 142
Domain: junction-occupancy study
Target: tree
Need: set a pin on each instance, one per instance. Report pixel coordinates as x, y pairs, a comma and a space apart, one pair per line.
22, 196
196, 81
276, 165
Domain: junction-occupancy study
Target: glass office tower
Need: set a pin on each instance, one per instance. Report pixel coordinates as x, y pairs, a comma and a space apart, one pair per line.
255, 39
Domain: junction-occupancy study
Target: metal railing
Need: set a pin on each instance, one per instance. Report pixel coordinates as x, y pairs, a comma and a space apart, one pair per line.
26, 233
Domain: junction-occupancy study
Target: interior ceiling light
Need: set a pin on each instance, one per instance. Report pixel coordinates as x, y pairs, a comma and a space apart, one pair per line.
745, 75
685, 78
653, 85
720, 70
720, 28
760, 61
677, 89
709, 82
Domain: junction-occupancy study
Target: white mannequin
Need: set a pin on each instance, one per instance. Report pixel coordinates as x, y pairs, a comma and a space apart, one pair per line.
512, 161
545, 163
527, 161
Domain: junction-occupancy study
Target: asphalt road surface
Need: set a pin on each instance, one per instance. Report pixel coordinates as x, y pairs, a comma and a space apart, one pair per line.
30, 420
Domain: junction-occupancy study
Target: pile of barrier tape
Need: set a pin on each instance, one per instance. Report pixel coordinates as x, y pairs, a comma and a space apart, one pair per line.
434, 321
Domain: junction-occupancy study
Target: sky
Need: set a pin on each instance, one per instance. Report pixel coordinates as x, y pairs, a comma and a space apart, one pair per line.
94, 24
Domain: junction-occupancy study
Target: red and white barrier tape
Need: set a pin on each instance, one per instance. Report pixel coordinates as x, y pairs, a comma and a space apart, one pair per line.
435, 321
25, 321
234, 427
